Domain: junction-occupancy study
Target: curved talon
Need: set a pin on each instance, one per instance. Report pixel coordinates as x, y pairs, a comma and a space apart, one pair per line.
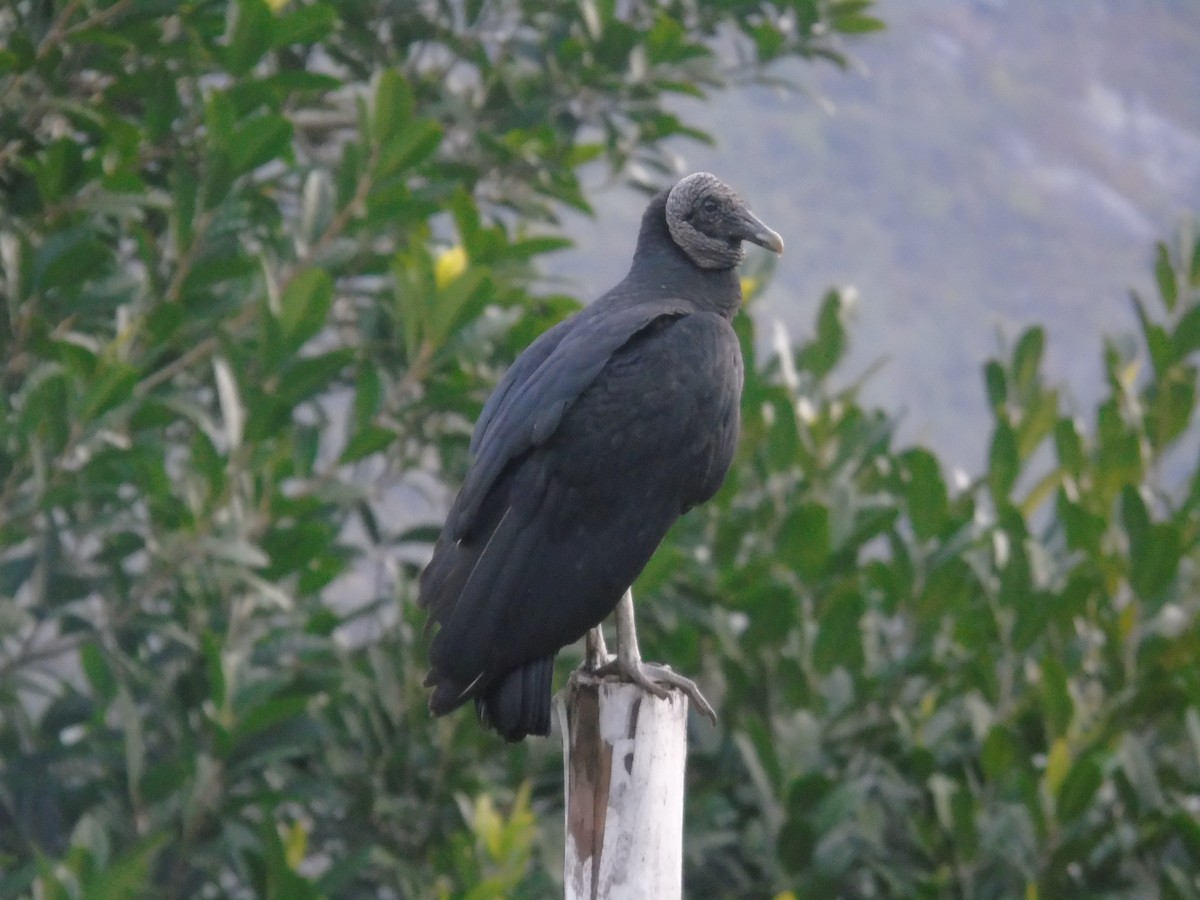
628, 664
665, 675
651, 678
635, 674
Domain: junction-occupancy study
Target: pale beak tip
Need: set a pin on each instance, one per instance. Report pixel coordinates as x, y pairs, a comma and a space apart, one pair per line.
771, 240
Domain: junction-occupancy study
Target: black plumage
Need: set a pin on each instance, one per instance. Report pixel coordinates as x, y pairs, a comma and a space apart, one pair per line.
604, 431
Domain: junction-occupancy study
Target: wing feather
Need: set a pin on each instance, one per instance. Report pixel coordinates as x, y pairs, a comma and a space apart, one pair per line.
528, 408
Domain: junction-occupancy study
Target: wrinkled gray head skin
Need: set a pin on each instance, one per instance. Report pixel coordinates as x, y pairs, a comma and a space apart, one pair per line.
709, 222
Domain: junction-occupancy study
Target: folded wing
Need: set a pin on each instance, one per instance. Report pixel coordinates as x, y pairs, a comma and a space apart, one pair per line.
582, 464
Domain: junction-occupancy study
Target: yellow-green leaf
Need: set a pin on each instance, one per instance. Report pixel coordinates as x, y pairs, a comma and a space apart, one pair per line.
295, 844
1058, 764
488, 824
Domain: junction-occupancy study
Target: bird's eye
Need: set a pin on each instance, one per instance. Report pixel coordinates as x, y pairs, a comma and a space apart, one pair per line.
709, 205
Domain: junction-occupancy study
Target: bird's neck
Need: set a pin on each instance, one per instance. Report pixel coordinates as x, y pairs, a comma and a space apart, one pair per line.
662, 270
667, 273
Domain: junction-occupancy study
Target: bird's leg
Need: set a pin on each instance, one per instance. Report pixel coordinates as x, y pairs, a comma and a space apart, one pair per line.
629, 666
595, 652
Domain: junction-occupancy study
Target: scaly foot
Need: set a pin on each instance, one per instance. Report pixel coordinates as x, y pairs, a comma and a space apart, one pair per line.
596, 655
651, 678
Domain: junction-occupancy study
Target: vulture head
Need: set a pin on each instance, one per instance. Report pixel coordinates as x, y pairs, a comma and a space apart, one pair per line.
709, 222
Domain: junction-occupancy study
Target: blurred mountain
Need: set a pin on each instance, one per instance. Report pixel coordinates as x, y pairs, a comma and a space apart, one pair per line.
984, 166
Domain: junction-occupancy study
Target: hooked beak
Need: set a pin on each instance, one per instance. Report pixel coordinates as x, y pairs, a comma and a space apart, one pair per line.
752, 228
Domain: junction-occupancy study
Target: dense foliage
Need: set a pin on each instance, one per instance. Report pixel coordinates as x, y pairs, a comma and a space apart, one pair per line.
943, 687
261, 265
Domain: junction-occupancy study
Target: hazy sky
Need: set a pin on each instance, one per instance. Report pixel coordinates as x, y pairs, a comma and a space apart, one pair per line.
989, 165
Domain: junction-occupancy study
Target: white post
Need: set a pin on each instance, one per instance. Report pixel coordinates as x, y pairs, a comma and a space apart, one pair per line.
624, 752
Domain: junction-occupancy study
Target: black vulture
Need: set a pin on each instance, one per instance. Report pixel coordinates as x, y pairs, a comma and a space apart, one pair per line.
605, 430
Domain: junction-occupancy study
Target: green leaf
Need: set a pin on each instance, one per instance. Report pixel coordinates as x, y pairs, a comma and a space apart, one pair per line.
1027, 359
1155, 549
305, 305
1078, 788
59, 170
368, 440
412, 272
1120, 457
453, 304
296, 81
1171, 403
1004, 464
1136, 520
409, 146
132, 724
768, 40
311, 375
160, 96
348, 173
15, 571
79, 360
273, 347
63, 255
1164, 274
368, 395
267, 413
1162, 350
839, 637
535, 246
999, 754
214, 667
827, 349
849, 17
805, 539
1084, 529
948, 587
801, 830
782, 434
467, 221
218, 177
1041, 414
925, 492
393, 109
1056, 698
1186, 338
1058, 764
292, 547
996, 383
667, 41
308, 24
1193, 269
208, 462
259, 140
96, 668
127, 874
184, 190
45, 407
771, 609
251, 32
220, 119
1069, 446
854, 24
112, 389
277, 880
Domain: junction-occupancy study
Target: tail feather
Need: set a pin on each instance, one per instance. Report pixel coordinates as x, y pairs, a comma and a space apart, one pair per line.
518, 703
449, 694
468, 587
